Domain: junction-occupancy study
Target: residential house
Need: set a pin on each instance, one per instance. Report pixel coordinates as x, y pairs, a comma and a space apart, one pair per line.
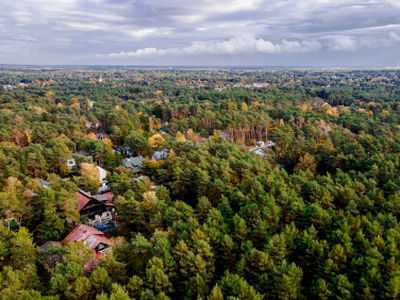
102, 180
124, 151
92, 126
93, 238
71, 164
53, 259
44, 183
97, 209
260, 84
10, 223
260, 146
108, 195
160, 155
84, 153
101, 136
199, 138
134, 163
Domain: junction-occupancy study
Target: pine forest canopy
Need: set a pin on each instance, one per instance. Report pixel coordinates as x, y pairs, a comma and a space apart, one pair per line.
272, 184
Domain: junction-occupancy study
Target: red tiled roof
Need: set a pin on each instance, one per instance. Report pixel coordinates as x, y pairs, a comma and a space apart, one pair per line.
88, 235
82, 201
198, 138
108, 195
84, 198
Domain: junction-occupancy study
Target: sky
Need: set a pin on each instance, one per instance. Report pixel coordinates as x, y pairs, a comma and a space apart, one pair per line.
259, 33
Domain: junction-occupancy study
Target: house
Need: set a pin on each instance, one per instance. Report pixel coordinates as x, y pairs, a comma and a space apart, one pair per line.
134, 163
44, 183
9, 87
260, 84
124, 151
199, 138
71, 164
83, 153
11, 223
93, 238
97, 209
108, 195
160, 155
53, 259
260, 146
90, 125
269, 144
103, 173
102, 180
101, 136
259, 152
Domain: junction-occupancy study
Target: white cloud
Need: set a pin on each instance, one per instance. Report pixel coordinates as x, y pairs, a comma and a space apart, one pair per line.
144, 32
361, 41
394, 36
342, 43
393, 2
236, 45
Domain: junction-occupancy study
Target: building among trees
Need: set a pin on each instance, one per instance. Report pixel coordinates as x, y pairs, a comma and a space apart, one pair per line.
97, 209
95, 239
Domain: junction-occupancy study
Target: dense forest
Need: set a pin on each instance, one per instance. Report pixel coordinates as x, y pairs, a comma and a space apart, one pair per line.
312, 215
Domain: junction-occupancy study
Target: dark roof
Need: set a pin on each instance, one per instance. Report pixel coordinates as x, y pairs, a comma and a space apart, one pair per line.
46, 246
102, 135
133, 162
84, 153
123, 149
100, 198
42, 182
159, 155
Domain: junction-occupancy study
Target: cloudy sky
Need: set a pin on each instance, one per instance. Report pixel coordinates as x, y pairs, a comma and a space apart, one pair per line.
303, 33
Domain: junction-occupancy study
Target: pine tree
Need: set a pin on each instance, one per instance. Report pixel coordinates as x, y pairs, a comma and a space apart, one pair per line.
157, 279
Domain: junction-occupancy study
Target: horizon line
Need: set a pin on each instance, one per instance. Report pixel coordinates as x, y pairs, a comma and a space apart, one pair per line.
198, 66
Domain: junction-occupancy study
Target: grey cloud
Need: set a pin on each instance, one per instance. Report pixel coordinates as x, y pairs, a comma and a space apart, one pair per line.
154, 31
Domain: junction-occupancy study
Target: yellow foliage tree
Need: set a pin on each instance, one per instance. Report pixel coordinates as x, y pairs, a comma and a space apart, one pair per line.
307, 162
40, 110
171, 153
75, 103
232, 106
333, 111
180, 137
91, 136
191, 134
156, 140
90, 172
107, 142
28, 134
49, 94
